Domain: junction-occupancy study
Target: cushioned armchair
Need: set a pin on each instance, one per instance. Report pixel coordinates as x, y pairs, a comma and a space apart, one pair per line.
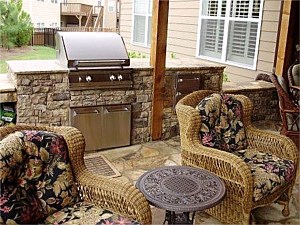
44, 180
258, 167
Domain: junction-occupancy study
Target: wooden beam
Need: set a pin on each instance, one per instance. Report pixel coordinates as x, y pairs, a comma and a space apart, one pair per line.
160, 13
282, 42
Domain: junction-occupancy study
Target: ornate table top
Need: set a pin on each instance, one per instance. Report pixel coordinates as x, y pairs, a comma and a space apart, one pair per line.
181, 189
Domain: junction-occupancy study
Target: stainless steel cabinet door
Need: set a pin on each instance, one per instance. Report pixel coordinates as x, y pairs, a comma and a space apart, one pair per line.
116, 126
88, 121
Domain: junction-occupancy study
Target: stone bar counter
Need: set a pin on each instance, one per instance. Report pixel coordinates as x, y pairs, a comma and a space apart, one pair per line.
43, 95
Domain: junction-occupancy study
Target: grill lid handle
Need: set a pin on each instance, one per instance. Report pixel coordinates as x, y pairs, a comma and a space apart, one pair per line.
99, 63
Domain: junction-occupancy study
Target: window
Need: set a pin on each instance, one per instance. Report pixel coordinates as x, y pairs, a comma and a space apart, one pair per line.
229, 31
111, 6
142, 18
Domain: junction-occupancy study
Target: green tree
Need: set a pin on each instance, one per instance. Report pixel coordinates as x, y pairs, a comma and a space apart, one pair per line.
15, 24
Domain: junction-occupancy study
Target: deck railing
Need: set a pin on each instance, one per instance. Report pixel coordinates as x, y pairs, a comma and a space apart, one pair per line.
97, 9
90, 29
75, 9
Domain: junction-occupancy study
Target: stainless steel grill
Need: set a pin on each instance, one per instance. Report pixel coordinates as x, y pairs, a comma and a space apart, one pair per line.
95, 59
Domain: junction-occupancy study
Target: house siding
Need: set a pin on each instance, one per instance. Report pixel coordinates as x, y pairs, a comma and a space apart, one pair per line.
183, 28
46, 12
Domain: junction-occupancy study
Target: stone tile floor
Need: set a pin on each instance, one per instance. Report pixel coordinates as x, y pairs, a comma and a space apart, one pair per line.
133, 161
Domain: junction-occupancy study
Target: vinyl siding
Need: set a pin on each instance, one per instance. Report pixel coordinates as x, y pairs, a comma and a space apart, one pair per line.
183, 28
46, 12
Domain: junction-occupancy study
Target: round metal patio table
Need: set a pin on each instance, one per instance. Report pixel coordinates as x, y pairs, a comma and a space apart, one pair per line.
181, 190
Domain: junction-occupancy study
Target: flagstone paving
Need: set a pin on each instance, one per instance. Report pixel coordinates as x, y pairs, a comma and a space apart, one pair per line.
133, 161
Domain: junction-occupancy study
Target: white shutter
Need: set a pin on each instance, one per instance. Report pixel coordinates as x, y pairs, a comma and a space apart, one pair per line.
256, 8
140, 6
242, 42
212, 37
149, 30
150, 6
139, 29
210, 7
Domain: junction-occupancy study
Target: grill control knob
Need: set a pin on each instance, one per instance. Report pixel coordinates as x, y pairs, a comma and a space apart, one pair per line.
88, 78
112, 77
120, 77
79, 79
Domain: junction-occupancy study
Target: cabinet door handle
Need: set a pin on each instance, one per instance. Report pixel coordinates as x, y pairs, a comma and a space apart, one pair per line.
178, 94
180, 80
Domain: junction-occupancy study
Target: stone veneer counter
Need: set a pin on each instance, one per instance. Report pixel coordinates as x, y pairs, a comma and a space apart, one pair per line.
44, 66
174, 64
36, 66
44, 96
7, 89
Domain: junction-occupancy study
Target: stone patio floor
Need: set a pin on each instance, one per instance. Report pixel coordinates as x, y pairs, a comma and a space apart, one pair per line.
133, 161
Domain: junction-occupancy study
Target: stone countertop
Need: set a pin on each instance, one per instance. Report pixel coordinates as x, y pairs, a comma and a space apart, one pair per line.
7, 89
250, 85
45, 66
186, 63
6, 83
39, 66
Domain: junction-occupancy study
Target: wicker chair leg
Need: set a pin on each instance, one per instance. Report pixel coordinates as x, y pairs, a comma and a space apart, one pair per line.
246, 219
286, 209
284, 200
252, 219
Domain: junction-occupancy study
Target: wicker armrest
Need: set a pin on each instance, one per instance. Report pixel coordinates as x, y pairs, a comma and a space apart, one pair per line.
120, 197
273, 143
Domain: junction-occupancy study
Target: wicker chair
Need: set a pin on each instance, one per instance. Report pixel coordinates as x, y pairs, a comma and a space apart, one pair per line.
238, 202
294, 82
121, 198
289, 109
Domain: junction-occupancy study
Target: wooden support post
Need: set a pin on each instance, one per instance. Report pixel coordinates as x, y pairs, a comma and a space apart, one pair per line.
282, 62
160, 13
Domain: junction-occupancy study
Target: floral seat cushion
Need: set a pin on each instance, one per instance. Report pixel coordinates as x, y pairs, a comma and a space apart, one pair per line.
221, 123
36, 177
87, 213
269, 171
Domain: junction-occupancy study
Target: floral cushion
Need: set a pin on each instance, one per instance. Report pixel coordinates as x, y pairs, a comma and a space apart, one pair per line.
269, 171
87, 213
222, 126
37, 179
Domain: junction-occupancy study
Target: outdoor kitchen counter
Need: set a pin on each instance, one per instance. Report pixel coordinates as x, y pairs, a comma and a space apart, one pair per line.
44, 66
37, 66
7, 89
186, 64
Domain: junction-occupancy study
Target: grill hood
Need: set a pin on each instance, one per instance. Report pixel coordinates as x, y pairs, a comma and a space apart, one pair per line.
91, 50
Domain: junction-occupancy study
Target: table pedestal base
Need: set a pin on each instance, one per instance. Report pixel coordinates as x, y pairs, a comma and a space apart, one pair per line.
179, 218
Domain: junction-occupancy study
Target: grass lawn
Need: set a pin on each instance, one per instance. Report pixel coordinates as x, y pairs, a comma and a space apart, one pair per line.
25, 53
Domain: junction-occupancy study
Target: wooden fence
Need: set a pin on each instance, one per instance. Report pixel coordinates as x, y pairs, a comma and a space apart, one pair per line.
46, 36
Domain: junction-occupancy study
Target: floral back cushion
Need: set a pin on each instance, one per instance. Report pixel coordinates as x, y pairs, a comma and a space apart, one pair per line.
222, 126
38, 180
210, 110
